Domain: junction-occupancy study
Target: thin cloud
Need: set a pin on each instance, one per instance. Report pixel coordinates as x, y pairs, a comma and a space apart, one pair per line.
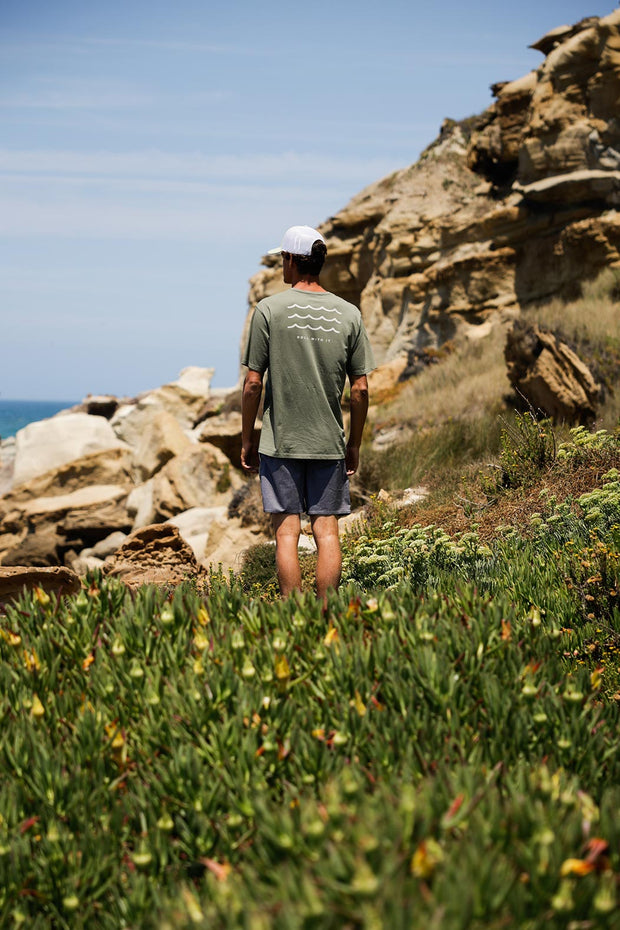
306, 167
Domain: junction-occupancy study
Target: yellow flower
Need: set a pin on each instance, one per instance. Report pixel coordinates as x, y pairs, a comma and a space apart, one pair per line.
37, 710
203, 617
331, 636
358, 704
426, 858
282, 669
42, 597
31, 661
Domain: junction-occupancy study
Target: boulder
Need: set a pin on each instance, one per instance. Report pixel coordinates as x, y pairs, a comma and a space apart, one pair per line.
155, 554
47, 445
161, 440
107, 546
7, 464
82, 564
140, 507
110, 467
183, 399
46, 528
386, 380
550, 376
246, 505
199, 477
194, 525
14, 580
224, 432
227, 543
220, 401
38, 546
100, 405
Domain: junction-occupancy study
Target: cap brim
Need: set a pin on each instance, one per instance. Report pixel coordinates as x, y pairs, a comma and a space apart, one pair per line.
277, 251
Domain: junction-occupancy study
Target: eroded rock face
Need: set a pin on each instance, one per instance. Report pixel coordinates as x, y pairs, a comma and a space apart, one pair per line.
504, 210
550, 376
155, 554
14, 580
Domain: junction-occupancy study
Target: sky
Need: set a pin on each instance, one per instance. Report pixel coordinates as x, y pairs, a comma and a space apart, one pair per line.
151, 153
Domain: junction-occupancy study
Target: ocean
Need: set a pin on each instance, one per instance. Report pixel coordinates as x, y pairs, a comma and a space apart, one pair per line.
15, 414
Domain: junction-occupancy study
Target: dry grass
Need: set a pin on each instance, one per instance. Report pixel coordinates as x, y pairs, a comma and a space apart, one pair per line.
464, 385
593, 318
513, 508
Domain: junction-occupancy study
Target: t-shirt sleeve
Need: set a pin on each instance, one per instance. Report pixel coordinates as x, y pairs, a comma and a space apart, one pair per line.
256, 355
361, 360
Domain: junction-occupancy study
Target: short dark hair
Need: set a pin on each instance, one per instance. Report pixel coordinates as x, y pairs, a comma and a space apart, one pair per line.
311, 264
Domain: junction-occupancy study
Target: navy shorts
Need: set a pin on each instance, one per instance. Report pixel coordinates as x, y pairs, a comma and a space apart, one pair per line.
317, 487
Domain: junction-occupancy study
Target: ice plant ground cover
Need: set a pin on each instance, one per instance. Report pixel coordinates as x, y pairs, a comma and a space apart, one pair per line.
440, 748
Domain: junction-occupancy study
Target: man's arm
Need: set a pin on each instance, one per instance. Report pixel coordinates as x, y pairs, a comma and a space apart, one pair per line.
250, 401
359, 409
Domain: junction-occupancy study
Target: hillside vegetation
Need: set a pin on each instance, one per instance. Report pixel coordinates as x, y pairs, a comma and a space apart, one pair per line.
438, 748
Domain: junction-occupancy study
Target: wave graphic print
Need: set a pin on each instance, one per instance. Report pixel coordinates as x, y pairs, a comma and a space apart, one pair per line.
315, 328
310, 307
308, 316
315, 319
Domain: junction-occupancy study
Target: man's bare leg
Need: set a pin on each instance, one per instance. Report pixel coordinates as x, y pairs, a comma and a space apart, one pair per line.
329, 557
287, 527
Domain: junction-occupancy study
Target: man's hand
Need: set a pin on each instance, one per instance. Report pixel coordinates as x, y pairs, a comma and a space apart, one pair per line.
249, 458
250, 400
352, 459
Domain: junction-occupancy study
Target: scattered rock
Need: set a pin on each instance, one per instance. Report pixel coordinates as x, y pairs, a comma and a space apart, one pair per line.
82, 564
246, 504
194, 526
224, 432
200, 477
107, 546
161, 440
227, 542
100, 405
47, 445
109, 467
221, 401
14, 580
155, 554
550, 376
185, 397
44, 528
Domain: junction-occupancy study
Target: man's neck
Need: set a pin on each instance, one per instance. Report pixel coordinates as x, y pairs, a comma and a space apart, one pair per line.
307, 282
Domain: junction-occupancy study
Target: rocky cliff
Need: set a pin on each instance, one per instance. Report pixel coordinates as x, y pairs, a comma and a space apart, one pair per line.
502, 210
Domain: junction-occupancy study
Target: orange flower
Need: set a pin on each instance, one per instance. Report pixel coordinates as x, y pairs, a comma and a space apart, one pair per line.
576, 867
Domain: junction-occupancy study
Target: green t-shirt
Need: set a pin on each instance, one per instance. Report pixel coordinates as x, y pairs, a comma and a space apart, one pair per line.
308, 342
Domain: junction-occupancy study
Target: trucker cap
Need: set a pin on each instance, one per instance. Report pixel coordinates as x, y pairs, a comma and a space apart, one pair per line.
298, 240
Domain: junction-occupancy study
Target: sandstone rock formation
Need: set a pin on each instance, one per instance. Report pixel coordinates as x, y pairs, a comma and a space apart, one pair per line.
550, 376
501, 211
154, 467
155, 554
13, 581
49, 444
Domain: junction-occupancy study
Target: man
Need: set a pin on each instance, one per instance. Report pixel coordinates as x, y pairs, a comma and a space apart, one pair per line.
308, 341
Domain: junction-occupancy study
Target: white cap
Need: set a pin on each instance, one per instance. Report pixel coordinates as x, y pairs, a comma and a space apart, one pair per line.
298, 240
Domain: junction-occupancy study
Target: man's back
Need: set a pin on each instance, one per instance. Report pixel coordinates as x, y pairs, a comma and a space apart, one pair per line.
309, 341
